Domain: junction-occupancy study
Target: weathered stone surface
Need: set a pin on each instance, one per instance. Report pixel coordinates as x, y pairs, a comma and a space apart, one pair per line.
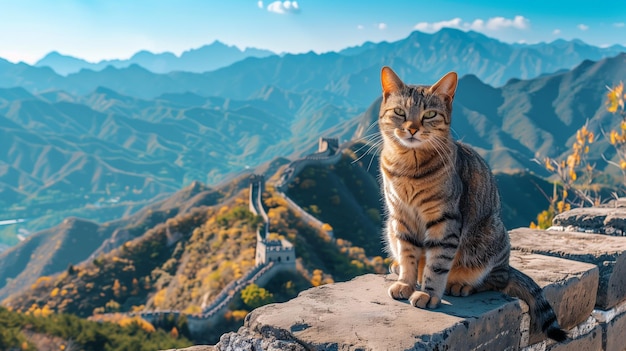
613, 323
616, 333
359, 315
591, 341
608, 253
608, 219
266, 338
586, 336
569, 286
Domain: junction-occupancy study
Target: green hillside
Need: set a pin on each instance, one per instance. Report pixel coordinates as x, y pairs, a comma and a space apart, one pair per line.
37, 331
345, 196
75, 240
181, 260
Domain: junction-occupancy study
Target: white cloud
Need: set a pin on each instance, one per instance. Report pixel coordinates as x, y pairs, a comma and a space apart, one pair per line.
556, 32
497, 23
619, 24
435, 26
284, 7
492, 24
359, 27
382, 26
260, 4
478, 24
583, 27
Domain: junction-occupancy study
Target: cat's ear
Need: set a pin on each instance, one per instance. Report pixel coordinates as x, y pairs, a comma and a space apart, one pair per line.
390, 81
446, 85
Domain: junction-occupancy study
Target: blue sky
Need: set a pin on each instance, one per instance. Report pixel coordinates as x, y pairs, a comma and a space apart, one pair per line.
107, 29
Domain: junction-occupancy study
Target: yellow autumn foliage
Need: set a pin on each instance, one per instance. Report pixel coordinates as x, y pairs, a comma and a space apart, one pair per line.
615, 98
159, 298
142, 323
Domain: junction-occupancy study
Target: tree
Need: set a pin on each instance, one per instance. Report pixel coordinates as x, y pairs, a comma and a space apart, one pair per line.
254, 296
617, 138
117, 287
576, 175
174, 333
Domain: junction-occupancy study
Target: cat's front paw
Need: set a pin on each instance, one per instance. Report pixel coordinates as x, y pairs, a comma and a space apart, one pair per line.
400, 290
457, 289
422, 299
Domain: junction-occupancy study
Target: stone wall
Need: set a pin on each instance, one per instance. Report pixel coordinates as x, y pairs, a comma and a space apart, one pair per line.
329, 154
583, 275
308, 218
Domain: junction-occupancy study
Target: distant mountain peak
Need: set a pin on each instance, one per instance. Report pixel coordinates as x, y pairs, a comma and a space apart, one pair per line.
217, 43
53, 54
145, 54
202, 59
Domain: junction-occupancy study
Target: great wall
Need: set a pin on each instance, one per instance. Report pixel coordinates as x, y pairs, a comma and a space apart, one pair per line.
272, 255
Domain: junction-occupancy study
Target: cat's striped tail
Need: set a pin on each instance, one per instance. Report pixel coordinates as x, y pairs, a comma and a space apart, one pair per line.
542, 315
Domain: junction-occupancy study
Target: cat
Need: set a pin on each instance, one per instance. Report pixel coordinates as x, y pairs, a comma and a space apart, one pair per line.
443, 226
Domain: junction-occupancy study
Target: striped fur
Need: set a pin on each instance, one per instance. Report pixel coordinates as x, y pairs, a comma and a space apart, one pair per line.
443, 208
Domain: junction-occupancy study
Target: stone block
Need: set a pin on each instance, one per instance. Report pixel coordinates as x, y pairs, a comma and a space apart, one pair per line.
615, 332
604, 220
569, 286
613, 323
359, 315
591, 341
587, 336
608, 253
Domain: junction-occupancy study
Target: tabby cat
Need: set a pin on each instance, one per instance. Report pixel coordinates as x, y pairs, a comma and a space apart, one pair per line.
444, 228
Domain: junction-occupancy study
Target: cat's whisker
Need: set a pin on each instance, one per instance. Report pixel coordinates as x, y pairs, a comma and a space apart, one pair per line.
373, 143
438, 149
371, 126
456, 135
375, 146
365, 141
443, 151
370, 138
370, 164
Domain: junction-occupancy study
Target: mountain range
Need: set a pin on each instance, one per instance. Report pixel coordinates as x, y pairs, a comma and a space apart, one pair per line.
98, 144
205, 58
350, 74
105, 152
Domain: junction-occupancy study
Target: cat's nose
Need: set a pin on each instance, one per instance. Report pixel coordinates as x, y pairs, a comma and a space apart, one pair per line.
412, 130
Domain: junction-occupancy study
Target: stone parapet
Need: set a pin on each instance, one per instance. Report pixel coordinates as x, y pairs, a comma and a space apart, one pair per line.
608, 253
602, 220
569, 286
359, 315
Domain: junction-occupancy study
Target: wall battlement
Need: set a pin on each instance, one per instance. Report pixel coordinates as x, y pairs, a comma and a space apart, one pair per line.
329, 153
268, 250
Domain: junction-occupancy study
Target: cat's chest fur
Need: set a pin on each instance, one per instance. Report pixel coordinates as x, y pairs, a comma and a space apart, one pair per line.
413, 183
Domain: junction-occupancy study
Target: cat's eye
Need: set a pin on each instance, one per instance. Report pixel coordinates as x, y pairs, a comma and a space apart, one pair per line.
430, 114
400, 112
